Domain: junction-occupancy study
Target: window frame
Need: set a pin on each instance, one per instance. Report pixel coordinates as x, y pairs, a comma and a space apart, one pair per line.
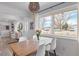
62, 10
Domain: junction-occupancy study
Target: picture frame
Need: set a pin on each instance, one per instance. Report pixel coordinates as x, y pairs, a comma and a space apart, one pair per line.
31, 25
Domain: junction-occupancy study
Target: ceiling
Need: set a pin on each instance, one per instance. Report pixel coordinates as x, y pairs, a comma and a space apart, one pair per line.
14, 10
24, 5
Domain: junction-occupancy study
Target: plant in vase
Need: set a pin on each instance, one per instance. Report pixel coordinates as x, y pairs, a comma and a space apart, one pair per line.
65, 26
38, 32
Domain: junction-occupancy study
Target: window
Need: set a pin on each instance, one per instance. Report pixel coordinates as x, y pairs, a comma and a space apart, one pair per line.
57, 22
46, 23
71, 19
64, 24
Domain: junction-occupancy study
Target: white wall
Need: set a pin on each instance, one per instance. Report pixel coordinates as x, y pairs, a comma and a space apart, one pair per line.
66, 47
30, 32
3, 26
26, 27
78, 29
12, 13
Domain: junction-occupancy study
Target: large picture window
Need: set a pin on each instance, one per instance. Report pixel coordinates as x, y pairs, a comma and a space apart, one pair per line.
67, 24
64, 24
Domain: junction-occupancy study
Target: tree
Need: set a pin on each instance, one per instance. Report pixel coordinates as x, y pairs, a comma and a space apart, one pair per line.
65, 26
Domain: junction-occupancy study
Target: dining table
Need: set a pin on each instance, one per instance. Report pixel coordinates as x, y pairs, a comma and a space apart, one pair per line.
24, 48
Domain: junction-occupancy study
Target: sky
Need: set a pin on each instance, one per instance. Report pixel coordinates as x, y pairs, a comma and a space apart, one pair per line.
73, 18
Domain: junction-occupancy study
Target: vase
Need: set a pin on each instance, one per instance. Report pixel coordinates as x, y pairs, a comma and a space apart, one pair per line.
38, 37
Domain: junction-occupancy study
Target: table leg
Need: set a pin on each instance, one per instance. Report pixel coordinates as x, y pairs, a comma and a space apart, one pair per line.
14, 54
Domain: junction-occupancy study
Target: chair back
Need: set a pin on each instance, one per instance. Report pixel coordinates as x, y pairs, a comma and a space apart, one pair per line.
41, 50
22, 39
53, 44
6, 52
35, 38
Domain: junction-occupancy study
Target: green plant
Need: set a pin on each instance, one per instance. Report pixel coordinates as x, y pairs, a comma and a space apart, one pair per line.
65, 26
38, 32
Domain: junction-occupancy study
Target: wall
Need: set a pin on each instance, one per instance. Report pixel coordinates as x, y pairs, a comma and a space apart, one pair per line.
3, 31
13, 13
66, 47
78, 29
3, 25
26, 27
30, 32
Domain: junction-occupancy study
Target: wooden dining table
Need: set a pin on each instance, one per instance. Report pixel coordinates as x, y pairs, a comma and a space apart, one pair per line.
24, 48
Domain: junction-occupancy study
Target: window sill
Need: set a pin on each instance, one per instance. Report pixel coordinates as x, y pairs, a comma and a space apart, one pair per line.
59, 36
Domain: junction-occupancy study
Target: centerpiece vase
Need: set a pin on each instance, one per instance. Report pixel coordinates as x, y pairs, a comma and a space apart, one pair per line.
38, 37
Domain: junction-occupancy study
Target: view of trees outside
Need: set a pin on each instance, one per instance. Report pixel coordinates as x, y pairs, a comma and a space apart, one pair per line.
46, 24
57, 21
64, 23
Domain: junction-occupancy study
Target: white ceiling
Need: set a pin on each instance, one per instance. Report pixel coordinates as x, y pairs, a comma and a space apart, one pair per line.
9, 10
24, 5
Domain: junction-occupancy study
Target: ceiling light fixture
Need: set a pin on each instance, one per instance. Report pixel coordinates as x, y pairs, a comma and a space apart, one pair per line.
34, 7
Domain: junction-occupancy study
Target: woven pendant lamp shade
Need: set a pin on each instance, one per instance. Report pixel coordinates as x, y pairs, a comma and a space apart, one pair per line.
34, 7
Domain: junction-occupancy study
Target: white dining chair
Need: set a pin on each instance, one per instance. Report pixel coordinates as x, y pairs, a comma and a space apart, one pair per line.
35, 38
22, 39
51, 47
6, 52
41, 50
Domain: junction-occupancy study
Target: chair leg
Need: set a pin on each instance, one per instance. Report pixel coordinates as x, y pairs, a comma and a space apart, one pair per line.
13, 54
54, 52
48, 53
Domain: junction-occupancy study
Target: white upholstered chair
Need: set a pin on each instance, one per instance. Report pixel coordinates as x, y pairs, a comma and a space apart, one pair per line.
22, 39
51, 46
41, 50
6, 52
50, 43
35, 38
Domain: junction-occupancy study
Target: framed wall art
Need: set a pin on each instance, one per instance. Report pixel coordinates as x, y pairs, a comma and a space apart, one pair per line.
31, 25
